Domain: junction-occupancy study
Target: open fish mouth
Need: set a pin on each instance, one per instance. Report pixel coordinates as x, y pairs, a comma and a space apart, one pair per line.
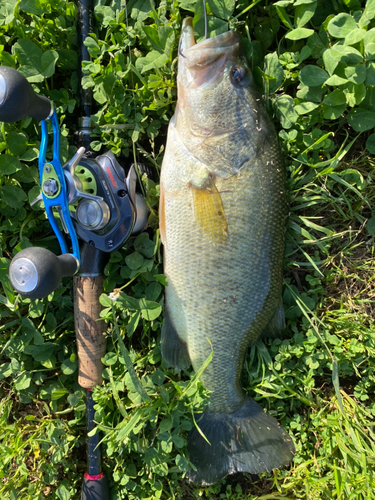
204, 62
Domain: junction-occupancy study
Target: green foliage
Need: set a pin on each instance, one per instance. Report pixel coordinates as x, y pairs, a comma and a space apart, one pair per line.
314, 61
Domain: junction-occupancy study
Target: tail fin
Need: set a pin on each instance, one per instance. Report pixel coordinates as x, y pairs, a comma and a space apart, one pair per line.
247, 440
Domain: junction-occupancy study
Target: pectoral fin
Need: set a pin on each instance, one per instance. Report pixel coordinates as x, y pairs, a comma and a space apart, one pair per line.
209, 212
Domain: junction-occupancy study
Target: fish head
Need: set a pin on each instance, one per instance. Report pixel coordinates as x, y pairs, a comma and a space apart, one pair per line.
204, 65
219, 114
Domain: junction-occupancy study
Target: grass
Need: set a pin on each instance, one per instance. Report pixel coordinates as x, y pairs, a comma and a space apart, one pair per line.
318, 380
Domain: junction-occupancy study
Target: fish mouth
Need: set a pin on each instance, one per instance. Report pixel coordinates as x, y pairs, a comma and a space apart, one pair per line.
203, 63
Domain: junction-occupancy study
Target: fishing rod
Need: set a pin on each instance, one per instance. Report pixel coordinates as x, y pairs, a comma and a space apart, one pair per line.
106, 211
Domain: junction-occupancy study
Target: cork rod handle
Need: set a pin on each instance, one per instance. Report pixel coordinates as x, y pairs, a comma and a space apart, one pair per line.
91, 342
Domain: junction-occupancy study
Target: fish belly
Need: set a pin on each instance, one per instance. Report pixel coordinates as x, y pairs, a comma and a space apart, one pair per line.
222, 296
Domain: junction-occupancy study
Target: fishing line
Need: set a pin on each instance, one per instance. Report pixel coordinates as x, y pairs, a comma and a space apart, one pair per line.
205, 20
137, 169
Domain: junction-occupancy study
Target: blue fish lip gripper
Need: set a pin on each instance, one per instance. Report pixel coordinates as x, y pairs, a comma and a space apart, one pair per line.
54, 190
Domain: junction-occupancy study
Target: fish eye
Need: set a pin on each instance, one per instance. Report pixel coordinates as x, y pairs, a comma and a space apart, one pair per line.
239, 76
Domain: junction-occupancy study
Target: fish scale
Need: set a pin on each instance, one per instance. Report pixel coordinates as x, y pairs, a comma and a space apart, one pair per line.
222, 214
211, 284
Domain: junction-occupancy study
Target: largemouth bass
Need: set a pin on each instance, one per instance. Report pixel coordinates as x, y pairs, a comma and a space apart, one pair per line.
223, 212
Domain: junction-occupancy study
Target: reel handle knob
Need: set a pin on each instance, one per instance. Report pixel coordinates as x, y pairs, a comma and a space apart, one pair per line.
18, 99
36, 272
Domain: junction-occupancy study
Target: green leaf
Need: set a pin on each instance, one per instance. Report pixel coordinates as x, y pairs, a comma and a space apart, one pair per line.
17, 142
150, 310
4, 268
283, 15
355, 94
74, 399
158, 377
299, 34
40, 352
30, 154
99, 94
284, 106
153, 60
105, 300
161, 278
273, 68
361, 119
68, 366
153, 291
23, 381
341, 25
12, 196
348, 55
62, 493
335, 98
215, 26
178, 441
9, 164
305, 107
182, 463
312, 76
283, 3
158, 37
336, 80
141, 10
333, 112
58, 393
313, 94
32, 7
356, 74
355, 37
133, 323
31, 74
110, 359
144, 245
330, 62
187, 4
368, 14
28, 53
36, 309
370, 224
370, 52
304, 13
128, 302
48, 63
134, 260
370, 145
370, 74
92, 46
222, 8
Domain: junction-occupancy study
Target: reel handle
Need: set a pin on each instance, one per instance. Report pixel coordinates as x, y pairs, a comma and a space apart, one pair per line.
18, 99
36, 272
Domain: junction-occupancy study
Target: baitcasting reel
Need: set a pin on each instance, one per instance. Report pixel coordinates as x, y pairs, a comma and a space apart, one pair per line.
94, 199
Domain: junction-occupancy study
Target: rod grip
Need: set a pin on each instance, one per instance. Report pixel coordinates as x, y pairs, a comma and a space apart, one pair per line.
91, 342
96, 489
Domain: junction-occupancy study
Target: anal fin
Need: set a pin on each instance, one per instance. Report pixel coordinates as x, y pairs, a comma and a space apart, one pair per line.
173, 350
